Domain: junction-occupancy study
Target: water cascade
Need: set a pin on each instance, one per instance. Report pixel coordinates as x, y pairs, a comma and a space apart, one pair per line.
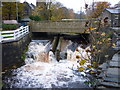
42, 70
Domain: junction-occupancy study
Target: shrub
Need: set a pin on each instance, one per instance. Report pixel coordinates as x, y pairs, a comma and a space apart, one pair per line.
9, 26
35, 18
31, 17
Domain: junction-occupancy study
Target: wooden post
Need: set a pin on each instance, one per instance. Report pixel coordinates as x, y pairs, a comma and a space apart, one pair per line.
55, 44
58, 49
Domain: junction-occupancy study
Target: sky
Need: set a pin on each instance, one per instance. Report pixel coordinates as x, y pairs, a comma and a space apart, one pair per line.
76, 5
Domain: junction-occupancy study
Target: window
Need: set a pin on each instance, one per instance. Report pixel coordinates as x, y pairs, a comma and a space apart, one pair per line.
116, 16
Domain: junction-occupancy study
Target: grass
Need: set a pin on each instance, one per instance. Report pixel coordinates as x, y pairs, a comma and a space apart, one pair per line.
23, 54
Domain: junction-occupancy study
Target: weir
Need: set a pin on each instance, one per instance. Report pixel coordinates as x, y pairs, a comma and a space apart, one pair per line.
42, 69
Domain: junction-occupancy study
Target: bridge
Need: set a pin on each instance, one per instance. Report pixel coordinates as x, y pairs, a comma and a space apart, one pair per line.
64, 26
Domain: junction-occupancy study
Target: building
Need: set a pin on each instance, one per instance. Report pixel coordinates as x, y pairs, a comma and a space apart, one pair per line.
117, 5
28, 12
111, 17
28, 8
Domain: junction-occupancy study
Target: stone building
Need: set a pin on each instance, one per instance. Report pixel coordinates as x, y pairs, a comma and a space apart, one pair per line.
28, 12
28, 8
111, 17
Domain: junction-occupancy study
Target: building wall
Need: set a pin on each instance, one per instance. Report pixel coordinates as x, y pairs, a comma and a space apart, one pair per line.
116, 20
28, 10
106, 14
112, 18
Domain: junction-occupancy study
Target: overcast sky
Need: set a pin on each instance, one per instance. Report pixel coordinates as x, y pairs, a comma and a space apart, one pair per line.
76, 4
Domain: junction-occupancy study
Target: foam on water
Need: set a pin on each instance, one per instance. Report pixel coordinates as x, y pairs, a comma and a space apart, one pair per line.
45, 75
36, 74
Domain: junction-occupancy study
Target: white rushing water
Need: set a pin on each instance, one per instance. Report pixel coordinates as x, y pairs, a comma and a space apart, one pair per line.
43, 71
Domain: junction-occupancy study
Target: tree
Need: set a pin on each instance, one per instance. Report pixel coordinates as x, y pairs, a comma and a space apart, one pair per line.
52, 11
9, 10
43, 10
59, 12
97, 8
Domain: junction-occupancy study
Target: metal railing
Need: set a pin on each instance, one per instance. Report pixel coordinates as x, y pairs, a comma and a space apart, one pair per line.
12, 35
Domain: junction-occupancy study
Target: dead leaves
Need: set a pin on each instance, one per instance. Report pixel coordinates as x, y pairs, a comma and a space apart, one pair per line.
81, 68
82, 62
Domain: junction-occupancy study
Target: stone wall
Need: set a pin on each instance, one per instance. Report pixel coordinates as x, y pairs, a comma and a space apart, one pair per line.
59, 26
12, 52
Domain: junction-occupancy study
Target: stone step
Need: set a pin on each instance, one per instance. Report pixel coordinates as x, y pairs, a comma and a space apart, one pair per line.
113, 76
101, 87
110, 79
102, 75
103, 66
116, 58
115, 64
113, 71
110, 84
105, 88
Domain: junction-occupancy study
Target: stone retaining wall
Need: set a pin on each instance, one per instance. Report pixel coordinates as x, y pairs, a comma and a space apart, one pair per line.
12, 51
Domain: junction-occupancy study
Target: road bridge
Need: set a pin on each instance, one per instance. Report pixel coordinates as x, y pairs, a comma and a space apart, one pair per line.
64, 26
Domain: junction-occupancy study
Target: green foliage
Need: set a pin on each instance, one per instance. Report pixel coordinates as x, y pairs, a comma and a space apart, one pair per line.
23, 57
53, 11
42, 11
23, 54
9, 26
91, 82
9, 10
31, 17
35, 18
1, 84
60, 12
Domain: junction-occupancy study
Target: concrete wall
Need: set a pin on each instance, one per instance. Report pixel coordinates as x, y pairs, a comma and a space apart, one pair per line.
12, 52
77, 26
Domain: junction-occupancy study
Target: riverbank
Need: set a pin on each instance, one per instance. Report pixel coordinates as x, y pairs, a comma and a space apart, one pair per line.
110, 77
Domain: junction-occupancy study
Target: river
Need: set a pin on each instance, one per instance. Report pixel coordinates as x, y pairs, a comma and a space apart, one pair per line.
42, 70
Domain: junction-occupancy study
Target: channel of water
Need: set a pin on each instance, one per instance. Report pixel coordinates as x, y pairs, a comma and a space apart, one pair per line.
42, 70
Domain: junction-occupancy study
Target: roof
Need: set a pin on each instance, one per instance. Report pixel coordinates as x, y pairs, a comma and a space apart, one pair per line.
10, 22
116, 11
29, 5
26, 19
